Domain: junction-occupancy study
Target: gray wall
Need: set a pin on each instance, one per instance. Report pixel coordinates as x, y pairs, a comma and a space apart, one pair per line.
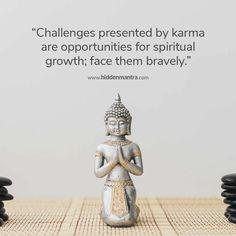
52, 119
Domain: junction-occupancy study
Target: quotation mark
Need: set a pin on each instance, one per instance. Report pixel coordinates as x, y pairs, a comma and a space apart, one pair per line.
188, 57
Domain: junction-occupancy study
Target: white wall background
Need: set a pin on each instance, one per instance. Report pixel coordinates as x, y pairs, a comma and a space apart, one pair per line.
51, 120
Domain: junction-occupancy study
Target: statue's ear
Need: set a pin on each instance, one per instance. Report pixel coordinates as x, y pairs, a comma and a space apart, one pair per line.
129, 127
107, 130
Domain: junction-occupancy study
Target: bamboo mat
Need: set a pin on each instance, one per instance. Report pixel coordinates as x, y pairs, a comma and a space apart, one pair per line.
160, 217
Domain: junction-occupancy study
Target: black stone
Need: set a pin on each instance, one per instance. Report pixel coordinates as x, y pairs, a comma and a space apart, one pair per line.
229, 194
3, 191
6, 197
226, 214
5, 217
232, 218
229, 179
231, 209
2, 211
1, 222
228, 187
230, 201
1, 204
5, 181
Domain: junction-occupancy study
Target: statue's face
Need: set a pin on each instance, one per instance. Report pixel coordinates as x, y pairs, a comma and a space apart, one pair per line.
117, 126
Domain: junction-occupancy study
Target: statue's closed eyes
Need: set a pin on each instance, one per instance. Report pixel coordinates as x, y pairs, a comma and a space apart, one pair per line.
116, 158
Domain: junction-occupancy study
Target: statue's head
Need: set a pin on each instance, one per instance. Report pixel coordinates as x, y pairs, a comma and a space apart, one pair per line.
118, 119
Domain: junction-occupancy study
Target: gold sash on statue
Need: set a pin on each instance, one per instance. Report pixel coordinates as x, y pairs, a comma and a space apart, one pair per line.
119, 204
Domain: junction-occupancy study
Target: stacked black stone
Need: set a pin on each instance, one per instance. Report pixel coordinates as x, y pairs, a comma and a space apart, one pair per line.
229, 186
4, 196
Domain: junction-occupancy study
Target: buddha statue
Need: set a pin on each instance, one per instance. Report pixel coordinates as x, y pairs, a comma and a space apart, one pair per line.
116, 158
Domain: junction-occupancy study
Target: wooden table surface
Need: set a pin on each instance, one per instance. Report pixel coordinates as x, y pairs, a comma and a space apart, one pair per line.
164, 217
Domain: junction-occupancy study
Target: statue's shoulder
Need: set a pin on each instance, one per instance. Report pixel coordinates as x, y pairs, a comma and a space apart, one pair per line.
134, 146
135, 150
100, 147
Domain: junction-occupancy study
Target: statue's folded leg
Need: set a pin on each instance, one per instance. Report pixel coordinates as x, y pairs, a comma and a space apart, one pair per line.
131, 197
106, 201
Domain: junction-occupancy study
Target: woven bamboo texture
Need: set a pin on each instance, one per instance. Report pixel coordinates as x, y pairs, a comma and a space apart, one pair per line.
160, 217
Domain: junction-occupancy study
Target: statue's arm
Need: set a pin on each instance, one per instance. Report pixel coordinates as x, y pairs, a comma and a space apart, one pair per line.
135, 168
102, 169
